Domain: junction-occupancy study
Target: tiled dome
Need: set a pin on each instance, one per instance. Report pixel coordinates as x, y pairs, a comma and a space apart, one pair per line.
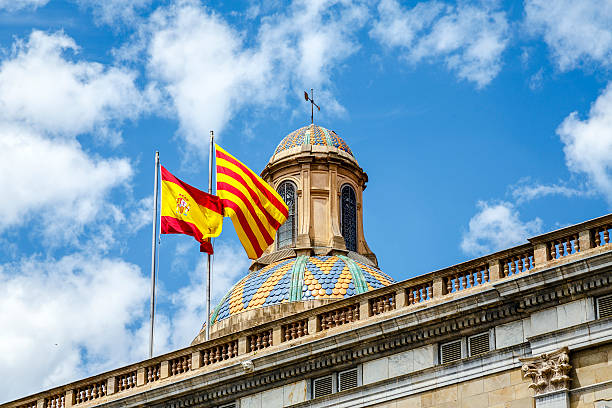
297, 279
314, 135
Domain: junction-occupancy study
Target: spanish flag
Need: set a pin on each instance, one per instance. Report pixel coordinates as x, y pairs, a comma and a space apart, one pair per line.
256, 210
187, 210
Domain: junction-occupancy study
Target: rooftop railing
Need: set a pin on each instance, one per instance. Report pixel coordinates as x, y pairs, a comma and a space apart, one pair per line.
562, 246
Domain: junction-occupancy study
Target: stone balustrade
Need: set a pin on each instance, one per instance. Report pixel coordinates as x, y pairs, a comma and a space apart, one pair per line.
382, 304
259, 341
519, 263
126, 381
547, 250
294, 330
338, 317
601, 235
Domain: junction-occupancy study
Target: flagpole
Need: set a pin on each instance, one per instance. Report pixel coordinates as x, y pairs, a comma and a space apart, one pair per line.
210, 181
154, 251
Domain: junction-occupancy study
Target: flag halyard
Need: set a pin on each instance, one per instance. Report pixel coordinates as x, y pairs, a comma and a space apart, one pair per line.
256, 209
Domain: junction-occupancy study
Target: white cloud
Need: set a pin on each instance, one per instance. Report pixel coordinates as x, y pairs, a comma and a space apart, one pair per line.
497, 226
577, 32
68, 318
525, 191
469, 38
42, 86
588, 143
53, 181
14, 5
113, 11
47, 98
210, 70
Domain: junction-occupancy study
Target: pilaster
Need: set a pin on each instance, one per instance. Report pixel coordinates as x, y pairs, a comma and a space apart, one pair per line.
550, 379
140, 377
401, 300
276, 335
164, 369
312, 325
540, 254
69, 398
438, 287
557, 399
364, 309
242, 346
196, 360
496, 271
111, 387
584, 238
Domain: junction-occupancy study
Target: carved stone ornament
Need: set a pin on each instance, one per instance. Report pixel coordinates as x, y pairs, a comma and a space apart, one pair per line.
548, 372
247, 366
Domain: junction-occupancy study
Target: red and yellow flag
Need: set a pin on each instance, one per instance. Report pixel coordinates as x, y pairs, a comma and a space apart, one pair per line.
256, 210
187, 210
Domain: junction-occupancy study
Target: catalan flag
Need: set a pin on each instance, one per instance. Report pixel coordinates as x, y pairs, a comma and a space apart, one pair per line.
256, 210
187, 210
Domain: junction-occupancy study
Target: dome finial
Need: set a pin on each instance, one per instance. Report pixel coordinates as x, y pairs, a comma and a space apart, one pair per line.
312, 104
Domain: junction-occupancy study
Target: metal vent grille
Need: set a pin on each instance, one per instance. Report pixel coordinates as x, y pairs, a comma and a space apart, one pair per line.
322, 386
450, 351
348, 379
479, 344
604, 306
232, 405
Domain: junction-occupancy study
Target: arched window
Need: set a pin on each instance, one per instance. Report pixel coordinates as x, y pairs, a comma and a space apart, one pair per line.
348, 215
287, 232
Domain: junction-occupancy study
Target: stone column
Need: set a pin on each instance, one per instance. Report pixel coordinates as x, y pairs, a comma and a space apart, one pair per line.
550, 379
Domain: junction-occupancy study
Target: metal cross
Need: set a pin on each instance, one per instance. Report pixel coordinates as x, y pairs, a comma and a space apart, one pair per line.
312, 104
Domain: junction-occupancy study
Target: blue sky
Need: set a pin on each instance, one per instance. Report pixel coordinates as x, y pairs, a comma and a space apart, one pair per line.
479, 123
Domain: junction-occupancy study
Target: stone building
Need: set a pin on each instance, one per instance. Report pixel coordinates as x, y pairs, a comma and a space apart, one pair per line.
316, 323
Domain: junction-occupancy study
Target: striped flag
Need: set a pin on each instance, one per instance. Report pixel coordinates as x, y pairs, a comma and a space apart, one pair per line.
187, 210
256, 210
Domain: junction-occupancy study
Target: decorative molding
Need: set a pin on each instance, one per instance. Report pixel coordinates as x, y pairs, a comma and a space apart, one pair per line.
548, 372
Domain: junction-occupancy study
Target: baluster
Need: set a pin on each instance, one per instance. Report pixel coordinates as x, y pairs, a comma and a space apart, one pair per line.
553, 250
606, 235
577, 243
456, 283
506, 269
527, 262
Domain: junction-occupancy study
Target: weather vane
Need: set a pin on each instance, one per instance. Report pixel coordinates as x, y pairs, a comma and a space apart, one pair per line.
312, 104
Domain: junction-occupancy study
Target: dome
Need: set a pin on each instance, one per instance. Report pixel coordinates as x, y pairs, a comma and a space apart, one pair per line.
300, 279
313, 135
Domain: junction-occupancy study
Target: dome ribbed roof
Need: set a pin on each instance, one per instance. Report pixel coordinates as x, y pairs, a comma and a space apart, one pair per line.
314, 135
299, 279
